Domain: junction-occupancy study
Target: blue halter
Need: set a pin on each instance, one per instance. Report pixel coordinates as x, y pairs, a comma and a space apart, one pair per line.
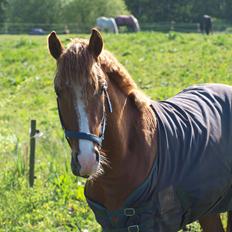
88, 136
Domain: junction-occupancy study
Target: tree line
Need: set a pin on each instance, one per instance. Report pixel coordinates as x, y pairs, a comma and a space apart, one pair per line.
179, 10
84, 12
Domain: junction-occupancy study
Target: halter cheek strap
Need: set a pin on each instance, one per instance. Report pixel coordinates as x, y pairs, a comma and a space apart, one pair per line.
88, 136
104, 89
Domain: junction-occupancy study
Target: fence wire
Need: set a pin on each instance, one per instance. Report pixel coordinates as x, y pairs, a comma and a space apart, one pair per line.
75, 28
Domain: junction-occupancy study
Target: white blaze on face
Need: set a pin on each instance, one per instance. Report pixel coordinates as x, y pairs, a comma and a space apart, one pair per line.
86, 156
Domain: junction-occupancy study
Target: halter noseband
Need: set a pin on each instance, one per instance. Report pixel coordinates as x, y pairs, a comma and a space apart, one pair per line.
88, 136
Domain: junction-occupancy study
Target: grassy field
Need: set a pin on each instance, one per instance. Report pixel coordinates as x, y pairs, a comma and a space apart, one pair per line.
161, 64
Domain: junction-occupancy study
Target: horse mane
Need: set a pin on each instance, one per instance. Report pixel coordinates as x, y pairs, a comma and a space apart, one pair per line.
74, 60
120, 76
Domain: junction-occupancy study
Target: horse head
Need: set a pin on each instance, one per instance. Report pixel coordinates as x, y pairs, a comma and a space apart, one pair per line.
81, 88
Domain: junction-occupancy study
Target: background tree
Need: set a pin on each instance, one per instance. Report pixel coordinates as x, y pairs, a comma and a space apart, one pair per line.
179, 10
81, 14
34, 11
84, 13
3, 5
226, 9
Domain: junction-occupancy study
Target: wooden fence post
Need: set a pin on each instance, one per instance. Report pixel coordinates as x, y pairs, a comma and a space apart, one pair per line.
32, 153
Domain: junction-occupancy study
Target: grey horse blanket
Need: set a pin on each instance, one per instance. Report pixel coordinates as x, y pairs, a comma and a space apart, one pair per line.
192, 173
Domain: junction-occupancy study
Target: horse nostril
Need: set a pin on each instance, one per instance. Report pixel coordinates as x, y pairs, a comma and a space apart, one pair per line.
75, 155
97, 153
75, 165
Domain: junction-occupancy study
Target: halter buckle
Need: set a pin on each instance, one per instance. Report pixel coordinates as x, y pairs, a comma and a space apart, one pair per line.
134, 228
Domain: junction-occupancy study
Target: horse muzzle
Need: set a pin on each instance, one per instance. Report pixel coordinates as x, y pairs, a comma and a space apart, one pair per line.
85, 165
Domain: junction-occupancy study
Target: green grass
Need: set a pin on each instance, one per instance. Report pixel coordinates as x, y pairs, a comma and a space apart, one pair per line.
161, 64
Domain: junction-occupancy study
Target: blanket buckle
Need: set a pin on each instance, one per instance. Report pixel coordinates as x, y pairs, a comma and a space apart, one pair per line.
129, 212
134, 228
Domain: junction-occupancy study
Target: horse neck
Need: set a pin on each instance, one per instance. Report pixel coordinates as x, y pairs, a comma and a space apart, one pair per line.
126, 135
130, 147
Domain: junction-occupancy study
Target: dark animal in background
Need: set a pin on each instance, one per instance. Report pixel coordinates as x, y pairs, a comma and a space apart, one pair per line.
206, 24
128, 20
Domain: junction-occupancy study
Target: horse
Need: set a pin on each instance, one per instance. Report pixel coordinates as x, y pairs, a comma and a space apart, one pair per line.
206, 24
150, 165
108, 24
128, 20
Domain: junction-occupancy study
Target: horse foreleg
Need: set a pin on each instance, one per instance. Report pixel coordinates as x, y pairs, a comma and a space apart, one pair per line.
211, 223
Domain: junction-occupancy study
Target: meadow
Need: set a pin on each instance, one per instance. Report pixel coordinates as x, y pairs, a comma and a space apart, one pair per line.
161, 64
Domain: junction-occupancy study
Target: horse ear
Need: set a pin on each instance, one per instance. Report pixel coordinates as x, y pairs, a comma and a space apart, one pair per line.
95, 43
55, 46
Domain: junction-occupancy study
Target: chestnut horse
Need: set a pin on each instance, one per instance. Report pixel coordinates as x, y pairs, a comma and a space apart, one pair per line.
118, 137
